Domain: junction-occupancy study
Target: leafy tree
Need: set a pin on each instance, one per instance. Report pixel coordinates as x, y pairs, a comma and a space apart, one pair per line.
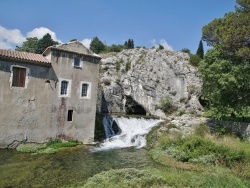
200, 50
226, 84
195, 59
29, 45
186, 50
232, 32
225, 68
96, 45
44, 42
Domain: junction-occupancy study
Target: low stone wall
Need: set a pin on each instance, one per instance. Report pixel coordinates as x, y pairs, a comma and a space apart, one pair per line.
236, 127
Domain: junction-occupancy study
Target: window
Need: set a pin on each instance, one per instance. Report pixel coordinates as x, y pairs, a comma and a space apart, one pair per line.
18, 76
64, 87
70, 115
85, 90
77, 62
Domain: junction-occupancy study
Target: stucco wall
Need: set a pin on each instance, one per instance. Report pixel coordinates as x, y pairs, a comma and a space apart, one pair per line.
82, 126
37, 113
24, 111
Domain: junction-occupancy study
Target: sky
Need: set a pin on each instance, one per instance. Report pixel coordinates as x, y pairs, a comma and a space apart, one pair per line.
175, 24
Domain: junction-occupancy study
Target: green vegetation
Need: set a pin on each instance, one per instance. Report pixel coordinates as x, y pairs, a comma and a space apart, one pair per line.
129, 44
33, 45
50, 147
125, 178
96, 45
200, 160
225, 67
166, 105
200, 50
128, 66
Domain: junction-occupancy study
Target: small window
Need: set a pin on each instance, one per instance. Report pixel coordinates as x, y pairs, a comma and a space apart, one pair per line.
85, 88
64, 87
77, 62
70, 115
18, 77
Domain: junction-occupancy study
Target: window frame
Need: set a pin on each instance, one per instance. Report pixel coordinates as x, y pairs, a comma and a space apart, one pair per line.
88, 91
26, 76
78, 58
68, 87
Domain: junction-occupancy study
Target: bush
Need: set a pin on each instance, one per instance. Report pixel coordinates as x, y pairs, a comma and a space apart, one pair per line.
166, 105
197, 149
128, 65
125, 178
106, 80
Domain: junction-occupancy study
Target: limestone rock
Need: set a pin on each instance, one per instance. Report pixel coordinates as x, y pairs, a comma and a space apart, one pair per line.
142, 77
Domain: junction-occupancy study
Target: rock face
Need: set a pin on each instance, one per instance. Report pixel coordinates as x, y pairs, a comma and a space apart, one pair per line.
134, 81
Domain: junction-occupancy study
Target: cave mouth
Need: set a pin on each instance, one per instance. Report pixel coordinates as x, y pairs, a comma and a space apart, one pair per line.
133, 108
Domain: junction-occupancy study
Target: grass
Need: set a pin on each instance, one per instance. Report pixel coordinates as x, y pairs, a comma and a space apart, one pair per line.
124, 178
201, 160
48, 148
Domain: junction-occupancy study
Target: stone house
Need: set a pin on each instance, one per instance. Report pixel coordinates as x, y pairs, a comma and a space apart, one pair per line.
52, 95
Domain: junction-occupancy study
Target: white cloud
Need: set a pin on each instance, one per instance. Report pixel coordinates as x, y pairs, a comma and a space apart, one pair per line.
162, 42
40, 32
9, 37
86, 42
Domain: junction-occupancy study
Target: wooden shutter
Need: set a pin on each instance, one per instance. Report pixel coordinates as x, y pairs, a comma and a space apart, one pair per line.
19, 75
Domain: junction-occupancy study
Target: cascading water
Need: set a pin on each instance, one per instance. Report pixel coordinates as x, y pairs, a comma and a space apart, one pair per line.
107, 123
133, 133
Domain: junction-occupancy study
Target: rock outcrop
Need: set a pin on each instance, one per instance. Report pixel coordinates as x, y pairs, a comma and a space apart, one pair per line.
134, 81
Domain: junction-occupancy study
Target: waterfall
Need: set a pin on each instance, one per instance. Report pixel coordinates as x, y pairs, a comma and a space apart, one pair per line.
107, 123
133, 133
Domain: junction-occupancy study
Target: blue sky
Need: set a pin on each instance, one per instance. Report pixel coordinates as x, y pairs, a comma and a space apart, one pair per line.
176, 24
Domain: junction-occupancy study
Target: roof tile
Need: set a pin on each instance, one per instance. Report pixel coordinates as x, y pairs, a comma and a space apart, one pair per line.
24, 56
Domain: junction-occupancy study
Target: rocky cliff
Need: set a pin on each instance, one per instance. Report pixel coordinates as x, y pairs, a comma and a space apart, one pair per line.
134, 81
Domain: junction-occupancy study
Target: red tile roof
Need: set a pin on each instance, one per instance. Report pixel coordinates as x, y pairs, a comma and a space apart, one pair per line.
23, 57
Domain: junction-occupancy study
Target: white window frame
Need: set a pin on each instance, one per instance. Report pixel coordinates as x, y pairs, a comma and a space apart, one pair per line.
68, 88
27, 72
80, 62
88, 92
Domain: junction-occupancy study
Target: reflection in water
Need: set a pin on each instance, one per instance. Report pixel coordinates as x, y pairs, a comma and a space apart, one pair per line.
68, 166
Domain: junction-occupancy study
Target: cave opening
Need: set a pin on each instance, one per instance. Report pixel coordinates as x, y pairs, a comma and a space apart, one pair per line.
133, 108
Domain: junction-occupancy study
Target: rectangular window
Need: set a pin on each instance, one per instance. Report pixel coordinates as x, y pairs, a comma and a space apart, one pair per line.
77, 62
85, 88
64, 87
70, 115
18, 77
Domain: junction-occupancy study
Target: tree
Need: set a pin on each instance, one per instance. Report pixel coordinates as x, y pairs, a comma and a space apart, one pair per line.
44, 42
186, 50
161, 47
96, 45
200, 50
29, 45
129, 44
231, 33
226, 84
225, 68
195, 59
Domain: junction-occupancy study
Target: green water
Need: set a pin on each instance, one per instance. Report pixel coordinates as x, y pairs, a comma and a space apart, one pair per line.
66, 167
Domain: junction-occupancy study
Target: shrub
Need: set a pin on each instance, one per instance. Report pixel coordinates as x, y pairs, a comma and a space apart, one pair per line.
128, 65
166, 105
201, 130
125, 178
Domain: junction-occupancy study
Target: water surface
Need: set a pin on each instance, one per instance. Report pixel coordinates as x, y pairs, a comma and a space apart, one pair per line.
66, 167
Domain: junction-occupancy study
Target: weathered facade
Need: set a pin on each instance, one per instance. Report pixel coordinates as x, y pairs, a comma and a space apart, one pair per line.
48, 96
